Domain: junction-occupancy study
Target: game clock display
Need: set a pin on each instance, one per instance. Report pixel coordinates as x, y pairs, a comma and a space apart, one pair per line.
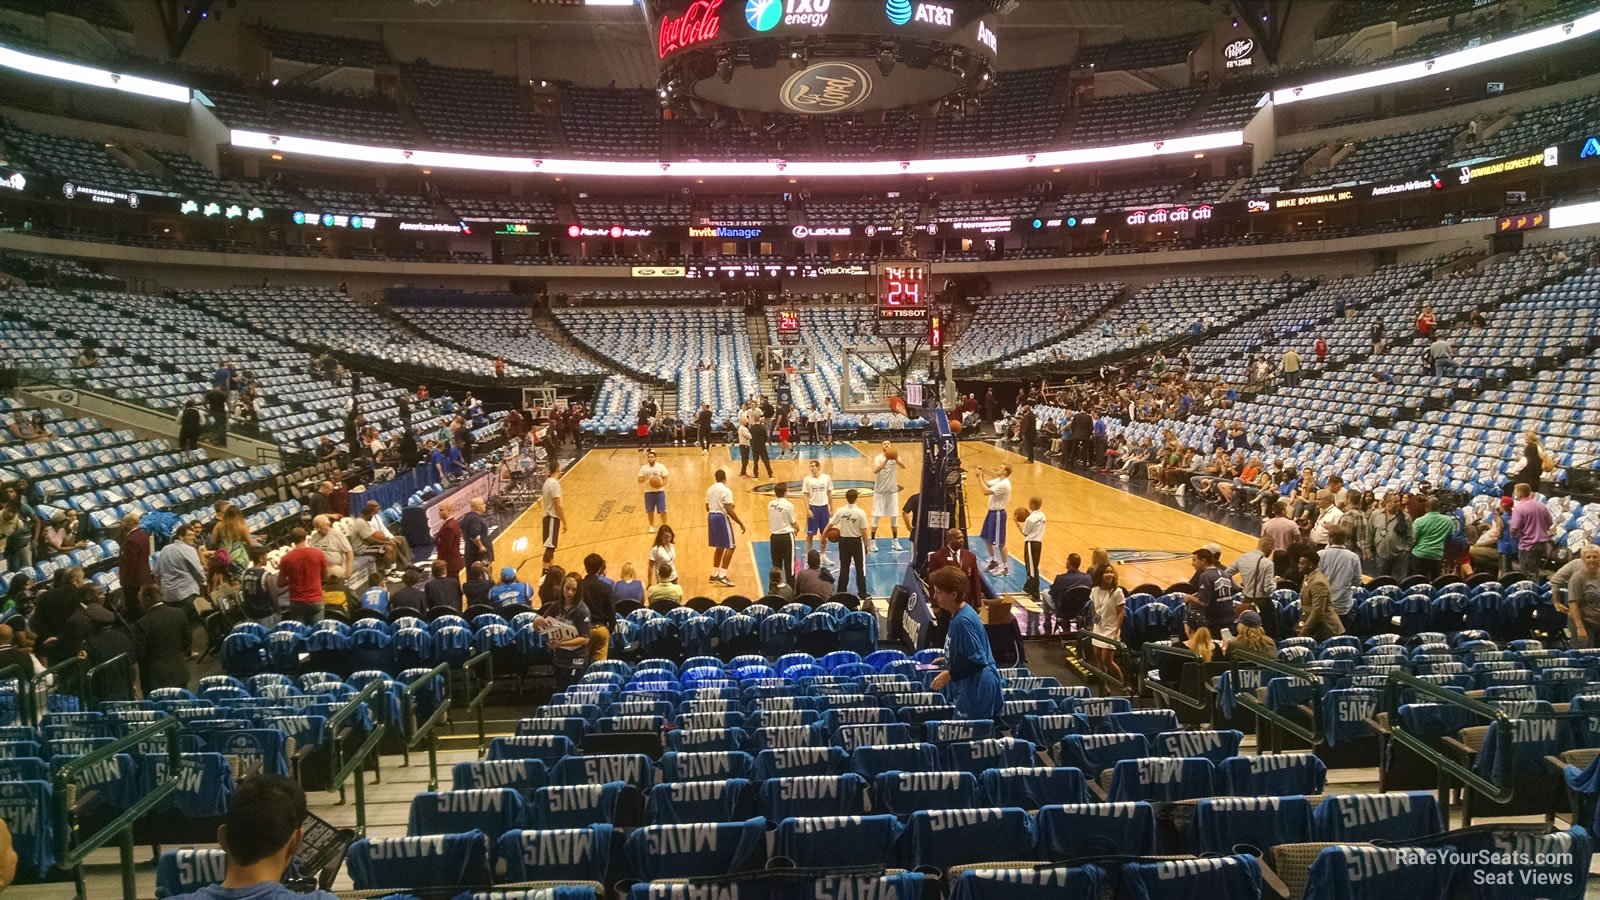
903, 298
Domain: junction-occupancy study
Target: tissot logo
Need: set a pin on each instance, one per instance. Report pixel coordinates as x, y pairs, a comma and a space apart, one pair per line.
829, 87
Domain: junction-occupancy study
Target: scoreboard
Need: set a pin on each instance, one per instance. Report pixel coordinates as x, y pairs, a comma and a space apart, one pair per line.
788, 326
903, 298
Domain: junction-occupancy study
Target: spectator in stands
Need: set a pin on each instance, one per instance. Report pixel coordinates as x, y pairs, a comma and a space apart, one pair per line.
163, 639
475, 534
377, 541
1426, 321
1390, 528
628, 586
476, 590
19, 598
596, 590
320, 503
571, 643
1318, 620
261, 592
230, 537
24, 428
1441, 357
1214, 591
1061, 606
1342, 567
447, 540
88, 358
410, 597
1429, 533
133, 555
509, 591
814, 579
1328, 515
335, 547
61, 535
1575, 587
443, 588
181, 567
1531, 522
1535, 462
1289, 366
302, 570
261, 835
1251, 637
969, 671
777, 587
663, 589
1109, 603
59, 623
217, 407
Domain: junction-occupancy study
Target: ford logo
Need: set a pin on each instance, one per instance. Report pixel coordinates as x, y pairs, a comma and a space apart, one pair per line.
828, 87
1239, 49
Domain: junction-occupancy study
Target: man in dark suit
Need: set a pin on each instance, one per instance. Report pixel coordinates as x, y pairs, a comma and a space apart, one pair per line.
163, 638
1030, 431
1082, 431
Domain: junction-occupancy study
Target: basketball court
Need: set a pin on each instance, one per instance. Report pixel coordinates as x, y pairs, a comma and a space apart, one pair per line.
605, 515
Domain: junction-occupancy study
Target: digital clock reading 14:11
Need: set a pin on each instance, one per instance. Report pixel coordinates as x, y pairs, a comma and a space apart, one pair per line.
902, 291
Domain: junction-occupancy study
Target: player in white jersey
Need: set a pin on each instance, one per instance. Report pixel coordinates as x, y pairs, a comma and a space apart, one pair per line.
998, 490
818, 488
885, 494
720, 519
1032, 551
655, 495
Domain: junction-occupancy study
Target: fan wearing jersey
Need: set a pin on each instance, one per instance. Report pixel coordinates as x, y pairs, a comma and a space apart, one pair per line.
818, 488
998, 490
1032, 550
885, 466
720, 519
261, 835
653, 475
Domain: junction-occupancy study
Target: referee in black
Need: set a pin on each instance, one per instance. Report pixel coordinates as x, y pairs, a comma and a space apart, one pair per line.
758, 442
702, 424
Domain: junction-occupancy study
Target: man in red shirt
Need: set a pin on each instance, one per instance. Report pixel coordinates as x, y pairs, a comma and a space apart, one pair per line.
955, 553
301, 571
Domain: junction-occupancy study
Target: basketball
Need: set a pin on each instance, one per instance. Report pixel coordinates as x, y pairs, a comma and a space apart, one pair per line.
891, 453
955, 426
831, 535
657, 482
1020, 514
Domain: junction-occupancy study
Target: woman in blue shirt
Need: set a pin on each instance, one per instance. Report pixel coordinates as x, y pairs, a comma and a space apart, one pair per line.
628, 586
970, 678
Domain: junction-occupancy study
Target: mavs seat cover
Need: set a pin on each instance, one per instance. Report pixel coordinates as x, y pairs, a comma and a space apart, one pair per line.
525, 775
786, 886
1032, 787
949, 731
794, 761
942, 838
1347, 872
489, 810
569, 854
1222, 876
1531, 866
204, 783
25, 807
995, 753
1161, 778
903, 793
545, 747
1273, 774
1222, 824
1047, 731
1044, 883
695, 851
574, 806
429, 861
870, 762
1094, 753
1213, 745
838, 841
633, 768
1376, 817
1095, 829
680, 802
812, 796
705, 766
185, 871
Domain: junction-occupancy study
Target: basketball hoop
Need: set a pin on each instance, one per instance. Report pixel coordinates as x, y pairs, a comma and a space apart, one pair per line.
897, 405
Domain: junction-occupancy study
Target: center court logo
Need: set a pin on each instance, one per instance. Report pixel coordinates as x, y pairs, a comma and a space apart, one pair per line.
828, 87
1125, 555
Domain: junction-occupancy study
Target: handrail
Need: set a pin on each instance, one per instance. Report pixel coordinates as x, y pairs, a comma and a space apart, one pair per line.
71, 857
475, 705
429, 728
121, 662
55, 672
342, 769
1497, 791
1280, 722
24, 682
1119, 649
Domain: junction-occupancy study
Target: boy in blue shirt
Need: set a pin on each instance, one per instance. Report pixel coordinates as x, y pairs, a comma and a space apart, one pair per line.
261, 836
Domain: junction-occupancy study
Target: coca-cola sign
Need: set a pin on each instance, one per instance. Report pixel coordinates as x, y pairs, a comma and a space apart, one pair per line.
699, 23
